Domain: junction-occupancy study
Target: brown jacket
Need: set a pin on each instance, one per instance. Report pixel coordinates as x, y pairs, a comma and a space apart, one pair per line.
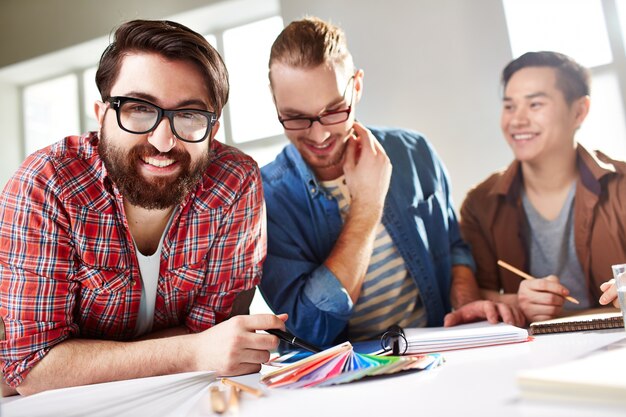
493, 222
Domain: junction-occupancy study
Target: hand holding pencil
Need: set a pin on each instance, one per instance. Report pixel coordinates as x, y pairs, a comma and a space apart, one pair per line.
529, 277
539, 298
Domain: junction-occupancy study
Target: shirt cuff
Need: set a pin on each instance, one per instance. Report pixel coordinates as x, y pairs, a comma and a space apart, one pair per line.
462, 257
326, 292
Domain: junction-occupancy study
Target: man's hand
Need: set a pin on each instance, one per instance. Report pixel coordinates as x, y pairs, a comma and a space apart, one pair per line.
234, 348
485, 310
609, 293
367, 170
541, 299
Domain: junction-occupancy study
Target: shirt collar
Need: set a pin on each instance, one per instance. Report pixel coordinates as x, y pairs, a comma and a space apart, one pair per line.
592, 167
312, 185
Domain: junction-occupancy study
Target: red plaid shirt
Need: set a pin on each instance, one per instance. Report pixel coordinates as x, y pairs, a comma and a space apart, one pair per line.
68, 265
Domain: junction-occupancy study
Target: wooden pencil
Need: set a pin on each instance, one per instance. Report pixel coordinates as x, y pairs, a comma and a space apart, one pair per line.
233, 399
527, 276
243, 387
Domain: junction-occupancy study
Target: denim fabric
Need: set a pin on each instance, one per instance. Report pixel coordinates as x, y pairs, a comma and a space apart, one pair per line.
304, 224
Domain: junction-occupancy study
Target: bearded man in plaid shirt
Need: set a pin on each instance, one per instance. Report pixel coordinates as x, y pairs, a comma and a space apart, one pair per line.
122, 251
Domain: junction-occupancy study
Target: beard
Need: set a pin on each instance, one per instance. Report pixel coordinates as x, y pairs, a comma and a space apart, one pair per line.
334, 159
156, 193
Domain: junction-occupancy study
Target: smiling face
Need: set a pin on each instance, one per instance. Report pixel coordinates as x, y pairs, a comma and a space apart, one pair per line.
310, 92
536, 120
154, 170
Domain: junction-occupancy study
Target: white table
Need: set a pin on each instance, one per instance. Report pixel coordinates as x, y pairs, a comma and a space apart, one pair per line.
472, 382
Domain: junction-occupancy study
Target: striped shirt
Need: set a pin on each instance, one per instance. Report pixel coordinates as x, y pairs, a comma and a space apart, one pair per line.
389, 295
68, 265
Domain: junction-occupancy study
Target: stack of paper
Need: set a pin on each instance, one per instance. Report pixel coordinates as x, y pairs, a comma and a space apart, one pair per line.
435, 339
596, 378
168, 395
341, 364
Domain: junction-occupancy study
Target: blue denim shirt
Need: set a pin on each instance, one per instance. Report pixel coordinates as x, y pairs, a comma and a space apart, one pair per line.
304, 224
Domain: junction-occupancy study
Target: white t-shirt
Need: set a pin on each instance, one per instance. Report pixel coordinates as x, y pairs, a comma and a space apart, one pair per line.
149, 269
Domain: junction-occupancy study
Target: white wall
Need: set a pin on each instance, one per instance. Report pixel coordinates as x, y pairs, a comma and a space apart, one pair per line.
431, 66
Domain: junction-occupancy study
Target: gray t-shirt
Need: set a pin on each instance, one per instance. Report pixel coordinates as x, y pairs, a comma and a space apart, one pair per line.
553, 251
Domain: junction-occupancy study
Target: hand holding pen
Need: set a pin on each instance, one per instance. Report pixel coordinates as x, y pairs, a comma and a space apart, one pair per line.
233, 347
293, 340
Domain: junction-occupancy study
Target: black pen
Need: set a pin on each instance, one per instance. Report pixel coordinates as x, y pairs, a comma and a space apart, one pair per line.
289, 338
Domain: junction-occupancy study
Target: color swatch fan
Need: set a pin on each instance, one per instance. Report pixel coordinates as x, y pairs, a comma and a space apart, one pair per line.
341, 364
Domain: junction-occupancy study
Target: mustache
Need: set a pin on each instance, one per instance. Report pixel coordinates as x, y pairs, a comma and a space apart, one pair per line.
332, 137
146, 151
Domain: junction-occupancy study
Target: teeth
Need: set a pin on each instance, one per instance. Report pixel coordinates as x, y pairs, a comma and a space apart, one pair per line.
161, 163
322, 146
523, 136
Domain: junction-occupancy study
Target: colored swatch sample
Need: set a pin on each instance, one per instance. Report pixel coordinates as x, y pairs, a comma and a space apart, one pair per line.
341, 364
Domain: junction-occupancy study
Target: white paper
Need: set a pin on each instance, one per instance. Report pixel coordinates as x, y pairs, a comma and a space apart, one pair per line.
599, 377
168, 395
434, 339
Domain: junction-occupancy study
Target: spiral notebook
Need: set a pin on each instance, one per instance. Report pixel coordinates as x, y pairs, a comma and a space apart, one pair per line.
595, 321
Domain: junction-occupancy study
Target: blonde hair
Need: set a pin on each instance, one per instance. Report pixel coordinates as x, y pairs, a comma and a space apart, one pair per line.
309, 43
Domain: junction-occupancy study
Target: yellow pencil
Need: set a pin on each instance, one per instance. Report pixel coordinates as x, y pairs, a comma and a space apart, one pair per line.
233, 399
253, 391
527, 276
218, 405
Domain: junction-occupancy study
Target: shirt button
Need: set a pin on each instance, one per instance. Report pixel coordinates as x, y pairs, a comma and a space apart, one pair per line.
313, 189
133, 282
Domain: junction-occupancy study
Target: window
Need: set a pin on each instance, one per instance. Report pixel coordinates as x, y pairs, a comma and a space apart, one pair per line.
247, 52
573, 27
50, 111
582, 29
90, 95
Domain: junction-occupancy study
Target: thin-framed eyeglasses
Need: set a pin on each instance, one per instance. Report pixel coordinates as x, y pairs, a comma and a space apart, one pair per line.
328, 118
139, 116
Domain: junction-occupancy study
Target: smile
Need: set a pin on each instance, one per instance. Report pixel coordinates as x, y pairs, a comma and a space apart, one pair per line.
159, 163
321, 146
523, 136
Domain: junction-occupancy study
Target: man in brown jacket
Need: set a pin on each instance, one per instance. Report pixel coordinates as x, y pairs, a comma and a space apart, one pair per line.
558, 211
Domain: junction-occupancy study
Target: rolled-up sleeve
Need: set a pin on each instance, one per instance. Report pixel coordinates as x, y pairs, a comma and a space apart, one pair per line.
297, 283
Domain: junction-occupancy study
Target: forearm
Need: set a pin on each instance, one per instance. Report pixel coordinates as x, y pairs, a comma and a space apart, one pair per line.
497, 297
169, 332
80, 362
350, 256
464, 288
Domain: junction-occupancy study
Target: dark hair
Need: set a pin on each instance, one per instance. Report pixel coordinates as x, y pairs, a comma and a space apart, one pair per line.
572, 78
311, 42
171, 40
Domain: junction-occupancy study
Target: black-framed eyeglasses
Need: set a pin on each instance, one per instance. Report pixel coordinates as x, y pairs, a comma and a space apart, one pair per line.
139, 116
328, 118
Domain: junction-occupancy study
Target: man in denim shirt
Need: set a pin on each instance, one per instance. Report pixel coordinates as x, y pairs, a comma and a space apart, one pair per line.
353, 249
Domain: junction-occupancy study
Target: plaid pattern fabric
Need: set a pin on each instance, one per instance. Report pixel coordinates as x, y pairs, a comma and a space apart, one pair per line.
68, 265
